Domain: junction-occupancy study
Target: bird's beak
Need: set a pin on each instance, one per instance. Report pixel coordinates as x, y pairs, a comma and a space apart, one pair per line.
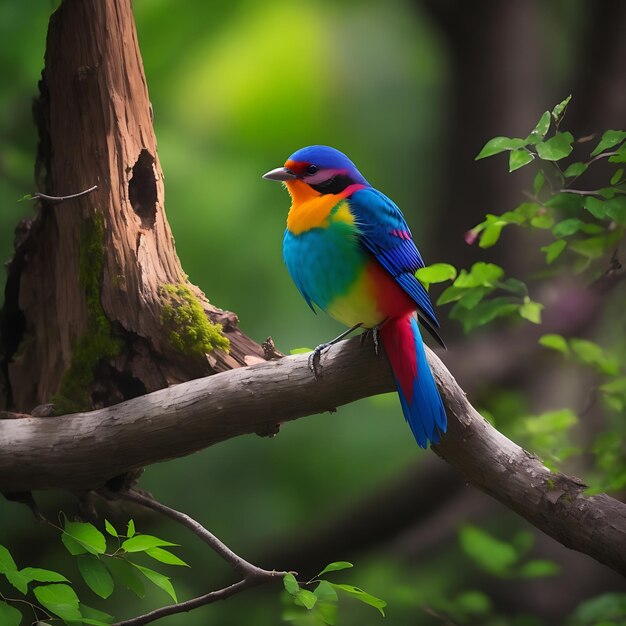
280, 173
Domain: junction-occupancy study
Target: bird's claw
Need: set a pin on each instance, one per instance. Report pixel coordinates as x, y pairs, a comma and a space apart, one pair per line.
375, 331
314, 359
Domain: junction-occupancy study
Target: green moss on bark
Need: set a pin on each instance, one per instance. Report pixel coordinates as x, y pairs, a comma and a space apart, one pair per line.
183, 318
98, 341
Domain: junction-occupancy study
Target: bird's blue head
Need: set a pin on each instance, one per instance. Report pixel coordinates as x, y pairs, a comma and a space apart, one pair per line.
323, 168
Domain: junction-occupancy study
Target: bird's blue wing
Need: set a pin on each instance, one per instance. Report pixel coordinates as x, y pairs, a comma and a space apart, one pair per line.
385, 234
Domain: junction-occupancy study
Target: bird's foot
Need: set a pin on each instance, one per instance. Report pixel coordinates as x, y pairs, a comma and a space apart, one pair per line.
375, 332
315, 356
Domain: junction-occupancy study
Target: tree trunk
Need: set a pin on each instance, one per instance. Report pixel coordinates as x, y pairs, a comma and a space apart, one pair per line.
98, 308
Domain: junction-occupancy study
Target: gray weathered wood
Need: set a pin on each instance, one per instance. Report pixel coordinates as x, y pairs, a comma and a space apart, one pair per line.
83, 451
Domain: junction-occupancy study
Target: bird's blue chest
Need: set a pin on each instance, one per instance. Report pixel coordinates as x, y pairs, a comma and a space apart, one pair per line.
323, 262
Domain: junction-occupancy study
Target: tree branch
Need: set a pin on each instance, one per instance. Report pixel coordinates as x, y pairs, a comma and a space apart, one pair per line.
251, 574
85, 450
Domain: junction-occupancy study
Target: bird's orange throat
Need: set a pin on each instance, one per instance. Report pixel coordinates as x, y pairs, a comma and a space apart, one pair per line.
311, 209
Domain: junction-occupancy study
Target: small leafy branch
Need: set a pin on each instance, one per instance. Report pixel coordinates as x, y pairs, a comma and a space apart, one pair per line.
319, 606
582, 231
50, 595
588, 223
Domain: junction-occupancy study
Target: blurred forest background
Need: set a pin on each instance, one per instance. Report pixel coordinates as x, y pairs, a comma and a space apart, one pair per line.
411, 91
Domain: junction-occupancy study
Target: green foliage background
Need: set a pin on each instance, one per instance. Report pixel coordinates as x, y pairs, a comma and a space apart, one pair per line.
236, 87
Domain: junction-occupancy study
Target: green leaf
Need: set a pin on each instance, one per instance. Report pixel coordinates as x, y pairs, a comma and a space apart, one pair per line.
73, 547
596, 207
141, 543
96, 575
300, 350
538, 182
604, 607
575, 169
551, 422
60, 600
514, 285
473, 296
617, 385
89, 612
127, 575
325, 592
489, 553
559, 109
595, 247
554, 249
617, 176
484, 312
568, 202
110, 528
480, 275
542, 221
540, 130
490, 235
519, 158
165, 556
523, 541
620, 157
19, 581
592, 229
531, 311
362, 596
539, 568
42, 575
616, 209
473, 602
7, 564
592, 354
609, 139
567, 227
291, 584
161, 581
335, 567
130, 529
436, 273
9, 615
306, 598
81, 537
499, 144
555, 148
554, 342
451, 294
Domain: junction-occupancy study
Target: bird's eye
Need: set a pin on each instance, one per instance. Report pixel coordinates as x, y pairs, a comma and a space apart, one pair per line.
311, 169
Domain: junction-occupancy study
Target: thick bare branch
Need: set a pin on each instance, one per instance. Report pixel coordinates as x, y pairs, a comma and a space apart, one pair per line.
83, 451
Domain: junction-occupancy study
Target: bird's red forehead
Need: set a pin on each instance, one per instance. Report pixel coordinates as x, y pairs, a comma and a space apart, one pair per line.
297, 167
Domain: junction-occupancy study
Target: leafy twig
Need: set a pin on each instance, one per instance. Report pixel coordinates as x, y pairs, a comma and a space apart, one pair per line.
251, 574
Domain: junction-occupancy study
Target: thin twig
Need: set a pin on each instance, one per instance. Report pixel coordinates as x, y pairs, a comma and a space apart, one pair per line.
252, 575
188, 605
580, 192
209, 538
44, 196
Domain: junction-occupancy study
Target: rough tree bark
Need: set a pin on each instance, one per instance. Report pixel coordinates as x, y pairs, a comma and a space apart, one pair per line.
98, 308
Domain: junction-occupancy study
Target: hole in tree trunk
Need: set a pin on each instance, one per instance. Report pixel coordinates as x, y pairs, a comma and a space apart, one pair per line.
142, 190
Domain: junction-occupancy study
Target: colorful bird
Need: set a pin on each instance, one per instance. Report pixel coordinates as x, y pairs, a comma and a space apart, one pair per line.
350, 252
